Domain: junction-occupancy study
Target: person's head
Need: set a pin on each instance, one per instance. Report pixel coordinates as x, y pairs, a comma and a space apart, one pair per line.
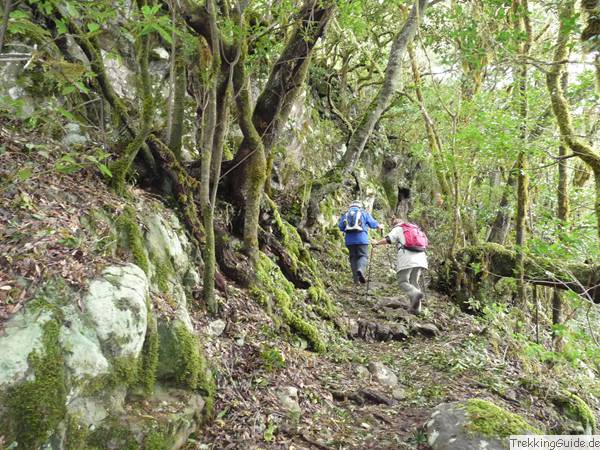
397, 222
356, 204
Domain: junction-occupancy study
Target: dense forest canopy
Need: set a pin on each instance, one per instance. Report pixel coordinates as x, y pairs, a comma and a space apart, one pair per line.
258, 121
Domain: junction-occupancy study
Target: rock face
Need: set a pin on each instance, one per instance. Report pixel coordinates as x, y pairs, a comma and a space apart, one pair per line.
105, 368
473, 425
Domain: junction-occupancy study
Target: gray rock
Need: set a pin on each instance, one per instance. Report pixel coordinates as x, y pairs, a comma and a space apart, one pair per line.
425, 329
74, 136
23, 335
288, 399
399, 393
362, 372
116, 307
382, 374
392, 302
216, 328
83, 354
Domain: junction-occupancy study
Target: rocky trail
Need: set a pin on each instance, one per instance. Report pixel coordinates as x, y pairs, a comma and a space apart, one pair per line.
376, 390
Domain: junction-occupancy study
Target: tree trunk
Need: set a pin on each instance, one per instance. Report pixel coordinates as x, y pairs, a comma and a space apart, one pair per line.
177, 93
501, 225
281, 90
122, 165
209, 123
8, 4
256, 163
562, 194
435, 144
332, 180
522, 25
561, 108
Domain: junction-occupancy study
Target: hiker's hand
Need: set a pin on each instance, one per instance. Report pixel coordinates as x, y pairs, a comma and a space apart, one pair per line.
380, 226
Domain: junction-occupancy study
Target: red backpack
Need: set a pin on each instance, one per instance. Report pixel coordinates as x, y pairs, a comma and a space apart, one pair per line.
414, 238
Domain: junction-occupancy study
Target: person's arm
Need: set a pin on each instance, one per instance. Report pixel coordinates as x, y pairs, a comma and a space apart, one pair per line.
386, 240
372, 223
341, 225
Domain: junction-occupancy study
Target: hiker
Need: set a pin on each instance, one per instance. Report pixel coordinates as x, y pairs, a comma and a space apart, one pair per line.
355, 224
411, 243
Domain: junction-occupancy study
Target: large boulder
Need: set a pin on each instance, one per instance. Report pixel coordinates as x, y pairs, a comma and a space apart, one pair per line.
474, 424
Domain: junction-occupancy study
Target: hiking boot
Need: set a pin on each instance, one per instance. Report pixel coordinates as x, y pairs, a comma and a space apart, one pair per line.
361, 277
415, 303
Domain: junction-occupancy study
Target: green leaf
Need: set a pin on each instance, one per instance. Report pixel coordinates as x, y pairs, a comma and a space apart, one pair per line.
24, 174
68, 90
165, 34
93, 27
61, 28
105, 170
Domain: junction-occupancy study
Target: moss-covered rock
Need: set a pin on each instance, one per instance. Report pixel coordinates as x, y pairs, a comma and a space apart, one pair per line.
35, 407
490, 420
474, 424
574, 408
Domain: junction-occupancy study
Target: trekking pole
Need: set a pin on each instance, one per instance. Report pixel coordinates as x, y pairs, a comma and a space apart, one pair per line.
370, 261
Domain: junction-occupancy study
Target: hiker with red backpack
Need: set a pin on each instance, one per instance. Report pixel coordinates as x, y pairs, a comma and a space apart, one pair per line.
411, 243
355, 224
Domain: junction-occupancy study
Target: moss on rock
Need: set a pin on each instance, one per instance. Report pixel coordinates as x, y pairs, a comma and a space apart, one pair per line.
37, 406
128, 226
182, 362
148, 360
156, 440
112, 435
575, 408
490, 420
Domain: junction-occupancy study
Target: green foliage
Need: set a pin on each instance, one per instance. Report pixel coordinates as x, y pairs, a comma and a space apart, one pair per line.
491, 420
155, 440
272, 358
112, 434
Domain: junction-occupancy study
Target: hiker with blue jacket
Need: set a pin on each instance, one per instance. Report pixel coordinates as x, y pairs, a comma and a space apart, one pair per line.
355, 224
411, 243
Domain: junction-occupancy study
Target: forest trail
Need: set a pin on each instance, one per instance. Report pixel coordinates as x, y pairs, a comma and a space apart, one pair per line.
342, 404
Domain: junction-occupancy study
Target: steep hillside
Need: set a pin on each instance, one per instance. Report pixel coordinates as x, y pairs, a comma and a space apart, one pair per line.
111, 348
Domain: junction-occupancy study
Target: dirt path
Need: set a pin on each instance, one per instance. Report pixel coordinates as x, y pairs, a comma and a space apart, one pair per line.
341, 403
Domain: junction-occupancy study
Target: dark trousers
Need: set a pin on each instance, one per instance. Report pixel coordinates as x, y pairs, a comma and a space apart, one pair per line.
358, 255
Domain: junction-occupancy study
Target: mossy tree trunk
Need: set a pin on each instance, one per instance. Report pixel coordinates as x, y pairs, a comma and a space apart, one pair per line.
561, 107
491, 261
433, 138
520, 12
256, 163
562, 194
121, 167
206, 100
280, 92
8, 5
332, 180
177, 82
